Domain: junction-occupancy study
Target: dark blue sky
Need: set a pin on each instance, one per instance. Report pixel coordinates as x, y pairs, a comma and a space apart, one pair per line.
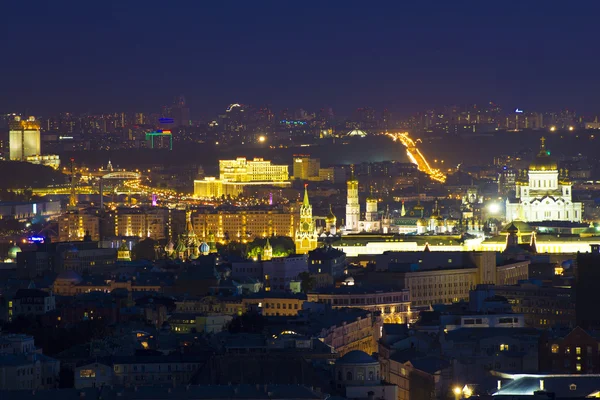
113, 55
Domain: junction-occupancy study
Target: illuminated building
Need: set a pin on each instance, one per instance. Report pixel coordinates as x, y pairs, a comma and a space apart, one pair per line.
212, 188
371, 222
246, 225
234, 175
123, 254
152, 223
306, 235
24, 138
257, 170
73, 226
393, 304
306, 168
543, 193
50, 160
275, 304
187, 247
544, 242
352, 205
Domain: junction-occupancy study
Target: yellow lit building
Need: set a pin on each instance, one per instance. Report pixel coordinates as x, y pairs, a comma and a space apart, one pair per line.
275, 304
235, 174
257, 170
211, 188
24, 138
50, 160
74, 226
141, 223
246, 225
306, 168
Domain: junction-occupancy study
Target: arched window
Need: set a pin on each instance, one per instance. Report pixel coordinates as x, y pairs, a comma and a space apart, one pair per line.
339, 375
371, 375
348, 376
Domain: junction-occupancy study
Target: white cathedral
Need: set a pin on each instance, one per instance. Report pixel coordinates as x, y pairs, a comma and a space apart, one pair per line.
543, 193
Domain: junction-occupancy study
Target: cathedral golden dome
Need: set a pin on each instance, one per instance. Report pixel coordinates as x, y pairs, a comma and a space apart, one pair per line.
543, 161
330, 219
421, 222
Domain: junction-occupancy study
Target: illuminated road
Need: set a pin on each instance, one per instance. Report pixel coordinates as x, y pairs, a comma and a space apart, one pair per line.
416, 157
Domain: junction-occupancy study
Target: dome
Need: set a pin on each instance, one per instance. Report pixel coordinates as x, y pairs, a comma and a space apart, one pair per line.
69, 276
421, 222
543, 161
204, 248
12, 253
356, 357
357, 132
330, 217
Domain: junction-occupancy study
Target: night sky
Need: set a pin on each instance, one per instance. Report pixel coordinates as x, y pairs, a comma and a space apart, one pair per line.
129, 55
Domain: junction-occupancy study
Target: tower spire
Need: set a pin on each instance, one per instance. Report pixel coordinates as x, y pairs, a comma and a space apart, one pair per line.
305, 202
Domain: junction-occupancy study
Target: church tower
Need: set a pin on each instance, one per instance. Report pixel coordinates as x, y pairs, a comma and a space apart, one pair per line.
352, 205
123, 253
306, 234
371, 208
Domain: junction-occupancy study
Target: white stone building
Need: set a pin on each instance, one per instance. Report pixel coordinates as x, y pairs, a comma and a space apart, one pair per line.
543, 193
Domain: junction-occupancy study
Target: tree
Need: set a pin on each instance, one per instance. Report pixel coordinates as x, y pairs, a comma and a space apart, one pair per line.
250, 322
307, 282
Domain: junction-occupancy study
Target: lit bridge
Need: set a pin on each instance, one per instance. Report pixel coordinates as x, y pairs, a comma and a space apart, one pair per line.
416, 157
122, 175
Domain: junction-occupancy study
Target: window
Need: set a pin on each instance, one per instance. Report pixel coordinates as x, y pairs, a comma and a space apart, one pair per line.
503, 347
567, 350
573, 386
555, 348
348, 376
578, 367
87, 373
578, 350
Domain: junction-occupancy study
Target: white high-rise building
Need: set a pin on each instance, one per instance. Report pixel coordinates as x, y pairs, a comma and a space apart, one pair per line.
24, 138
543, 193
352, 205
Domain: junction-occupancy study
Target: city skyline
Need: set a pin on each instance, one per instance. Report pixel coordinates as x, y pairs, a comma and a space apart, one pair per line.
399, 56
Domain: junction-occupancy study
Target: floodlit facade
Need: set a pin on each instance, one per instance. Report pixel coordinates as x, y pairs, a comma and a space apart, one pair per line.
51, 160
24, 138
235, 174
257, 170
74, 226
246, 225
544, 193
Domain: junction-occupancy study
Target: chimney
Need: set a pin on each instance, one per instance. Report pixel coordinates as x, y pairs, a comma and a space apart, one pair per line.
541, 384
499, 384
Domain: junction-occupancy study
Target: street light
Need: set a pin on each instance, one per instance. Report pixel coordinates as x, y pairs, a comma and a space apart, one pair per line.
494, 208
457, 391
